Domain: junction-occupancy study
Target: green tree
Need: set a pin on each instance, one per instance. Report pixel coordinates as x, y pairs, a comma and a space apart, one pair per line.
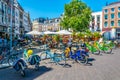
77, 16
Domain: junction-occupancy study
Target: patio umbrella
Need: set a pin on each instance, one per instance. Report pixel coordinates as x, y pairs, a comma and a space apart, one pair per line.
49, 32
64, 32
34, 33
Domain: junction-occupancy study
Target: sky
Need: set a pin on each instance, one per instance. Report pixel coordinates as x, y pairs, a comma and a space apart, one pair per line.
54, 8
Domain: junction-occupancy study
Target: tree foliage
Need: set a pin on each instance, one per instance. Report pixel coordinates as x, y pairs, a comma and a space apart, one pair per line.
77, 16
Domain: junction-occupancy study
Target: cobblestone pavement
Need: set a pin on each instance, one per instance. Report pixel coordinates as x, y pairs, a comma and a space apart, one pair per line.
104, 67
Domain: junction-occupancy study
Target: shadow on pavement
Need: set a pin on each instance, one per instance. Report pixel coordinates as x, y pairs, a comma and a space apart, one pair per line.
66, 65
90, 60
31, 73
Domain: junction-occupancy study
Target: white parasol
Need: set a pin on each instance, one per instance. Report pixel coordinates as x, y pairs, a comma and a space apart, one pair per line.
34, 33
64, 32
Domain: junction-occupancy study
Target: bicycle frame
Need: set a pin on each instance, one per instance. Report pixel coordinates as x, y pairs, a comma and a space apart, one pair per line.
93, 49
54, 57
79, 56
105, 48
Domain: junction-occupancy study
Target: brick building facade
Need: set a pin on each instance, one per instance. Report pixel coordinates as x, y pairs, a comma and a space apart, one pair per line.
111, 20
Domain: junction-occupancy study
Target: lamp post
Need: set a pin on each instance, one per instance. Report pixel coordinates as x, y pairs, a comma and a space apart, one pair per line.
11, 29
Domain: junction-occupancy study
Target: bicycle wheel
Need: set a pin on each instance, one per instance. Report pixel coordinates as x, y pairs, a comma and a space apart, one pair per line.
4, 61
43, 56
109, 51
37, 66
97, 52
22, 69
63, 57
22, 72
84, 59
12, 59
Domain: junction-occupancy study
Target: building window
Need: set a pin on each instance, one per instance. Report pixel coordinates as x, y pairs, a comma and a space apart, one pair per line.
119, 23
13, 13
119, 8
57, 20
118, 14
105, 24
112, 23
106, 16
98, 18
106, 10
112, 9
112, 16
9, 10
93, 22
93, 18
98, 26
16, 14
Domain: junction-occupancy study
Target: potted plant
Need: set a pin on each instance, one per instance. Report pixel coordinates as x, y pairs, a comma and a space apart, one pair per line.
74, 35
56, 38
96, 35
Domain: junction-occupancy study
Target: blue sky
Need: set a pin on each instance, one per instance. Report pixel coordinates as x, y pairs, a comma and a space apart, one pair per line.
53, 8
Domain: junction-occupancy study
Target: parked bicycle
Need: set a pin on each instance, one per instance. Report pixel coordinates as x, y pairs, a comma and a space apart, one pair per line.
4, 56
104, 47
31, 59
20, 64
54, 57
80, 56
93, 48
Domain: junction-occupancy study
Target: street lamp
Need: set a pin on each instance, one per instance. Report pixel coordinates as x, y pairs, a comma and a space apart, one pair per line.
11, 29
